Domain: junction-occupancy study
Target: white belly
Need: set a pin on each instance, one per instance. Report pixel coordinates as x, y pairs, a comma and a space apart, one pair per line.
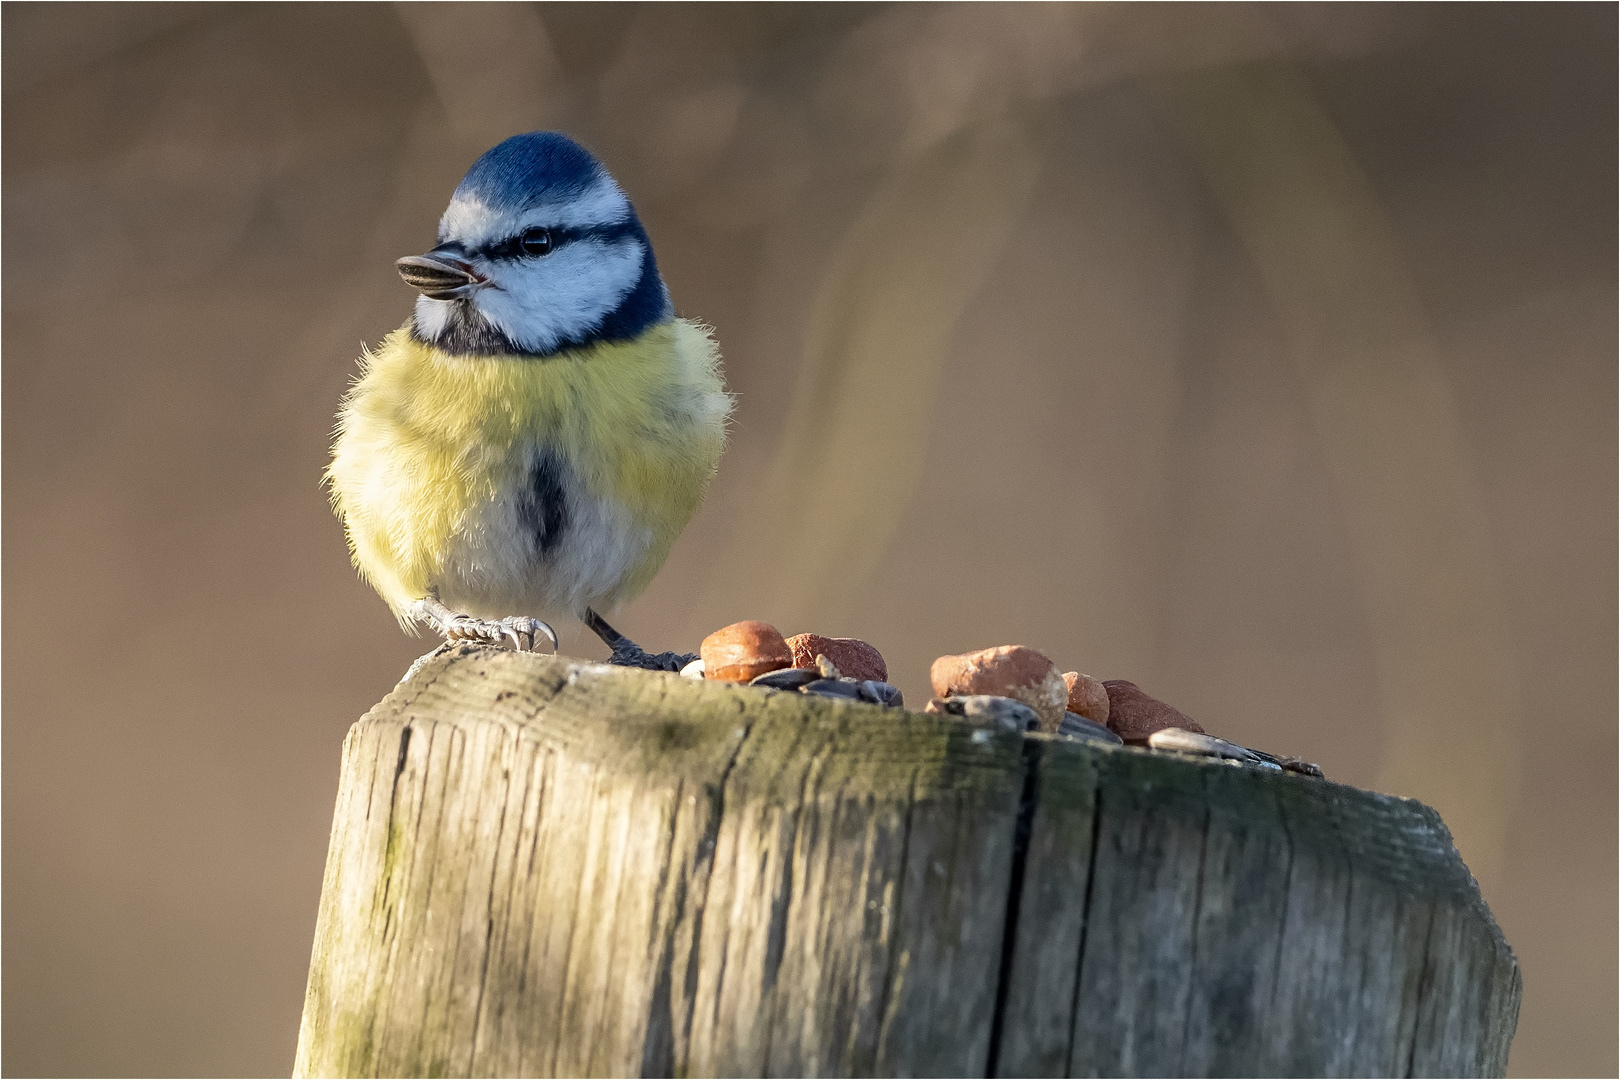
497, 563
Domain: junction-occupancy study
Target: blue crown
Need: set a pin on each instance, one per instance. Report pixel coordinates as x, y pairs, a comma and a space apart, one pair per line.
541, 166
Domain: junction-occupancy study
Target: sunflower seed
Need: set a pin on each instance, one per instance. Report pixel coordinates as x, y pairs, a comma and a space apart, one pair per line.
882, 693
1190, 742
1078, 727
787, 678
1002, 711
833, 688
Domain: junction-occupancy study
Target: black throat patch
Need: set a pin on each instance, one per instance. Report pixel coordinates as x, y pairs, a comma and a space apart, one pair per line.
468, 333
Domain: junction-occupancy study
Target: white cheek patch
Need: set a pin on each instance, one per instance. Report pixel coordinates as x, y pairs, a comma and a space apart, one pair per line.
564, 296
475, 223
432, 316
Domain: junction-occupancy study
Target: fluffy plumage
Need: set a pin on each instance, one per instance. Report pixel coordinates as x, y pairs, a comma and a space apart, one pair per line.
534, 445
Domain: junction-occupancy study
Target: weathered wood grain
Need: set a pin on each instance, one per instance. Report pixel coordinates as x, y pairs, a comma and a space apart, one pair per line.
540, 867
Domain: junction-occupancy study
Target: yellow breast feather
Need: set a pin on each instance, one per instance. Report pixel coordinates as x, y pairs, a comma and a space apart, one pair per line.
430, 447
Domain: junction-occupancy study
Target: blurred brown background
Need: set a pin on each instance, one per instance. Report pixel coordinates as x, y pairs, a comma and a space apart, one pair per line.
1265, 356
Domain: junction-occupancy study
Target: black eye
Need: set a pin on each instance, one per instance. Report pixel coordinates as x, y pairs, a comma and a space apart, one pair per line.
535, 241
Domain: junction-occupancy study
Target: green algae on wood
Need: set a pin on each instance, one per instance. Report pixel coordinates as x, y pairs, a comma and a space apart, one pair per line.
542, 867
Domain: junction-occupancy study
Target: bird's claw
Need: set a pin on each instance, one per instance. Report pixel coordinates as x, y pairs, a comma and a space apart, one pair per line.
525, 632
521, 630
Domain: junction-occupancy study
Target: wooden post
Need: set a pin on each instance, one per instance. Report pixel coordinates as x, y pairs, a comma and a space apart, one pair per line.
541, 867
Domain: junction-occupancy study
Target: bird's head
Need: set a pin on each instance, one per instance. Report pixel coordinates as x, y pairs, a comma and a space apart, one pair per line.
539, 251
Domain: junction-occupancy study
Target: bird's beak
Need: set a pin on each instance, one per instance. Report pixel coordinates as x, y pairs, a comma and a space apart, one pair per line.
440, 275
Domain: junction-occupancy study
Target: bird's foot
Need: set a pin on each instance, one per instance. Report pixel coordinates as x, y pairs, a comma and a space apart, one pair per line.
627, 653
521, 630
637, 657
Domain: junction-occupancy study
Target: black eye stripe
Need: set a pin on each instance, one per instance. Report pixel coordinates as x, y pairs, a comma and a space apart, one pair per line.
511, 247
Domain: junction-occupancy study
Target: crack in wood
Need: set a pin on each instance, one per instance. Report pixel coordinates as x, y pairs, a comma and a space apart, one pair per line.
890, 918
1192, 948
1027, 801
706, 848
1424, 978
1085, 924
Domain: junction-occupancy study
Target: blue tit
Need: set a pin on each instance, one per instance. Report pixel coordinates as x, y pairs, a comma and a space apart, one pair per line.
533, 439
